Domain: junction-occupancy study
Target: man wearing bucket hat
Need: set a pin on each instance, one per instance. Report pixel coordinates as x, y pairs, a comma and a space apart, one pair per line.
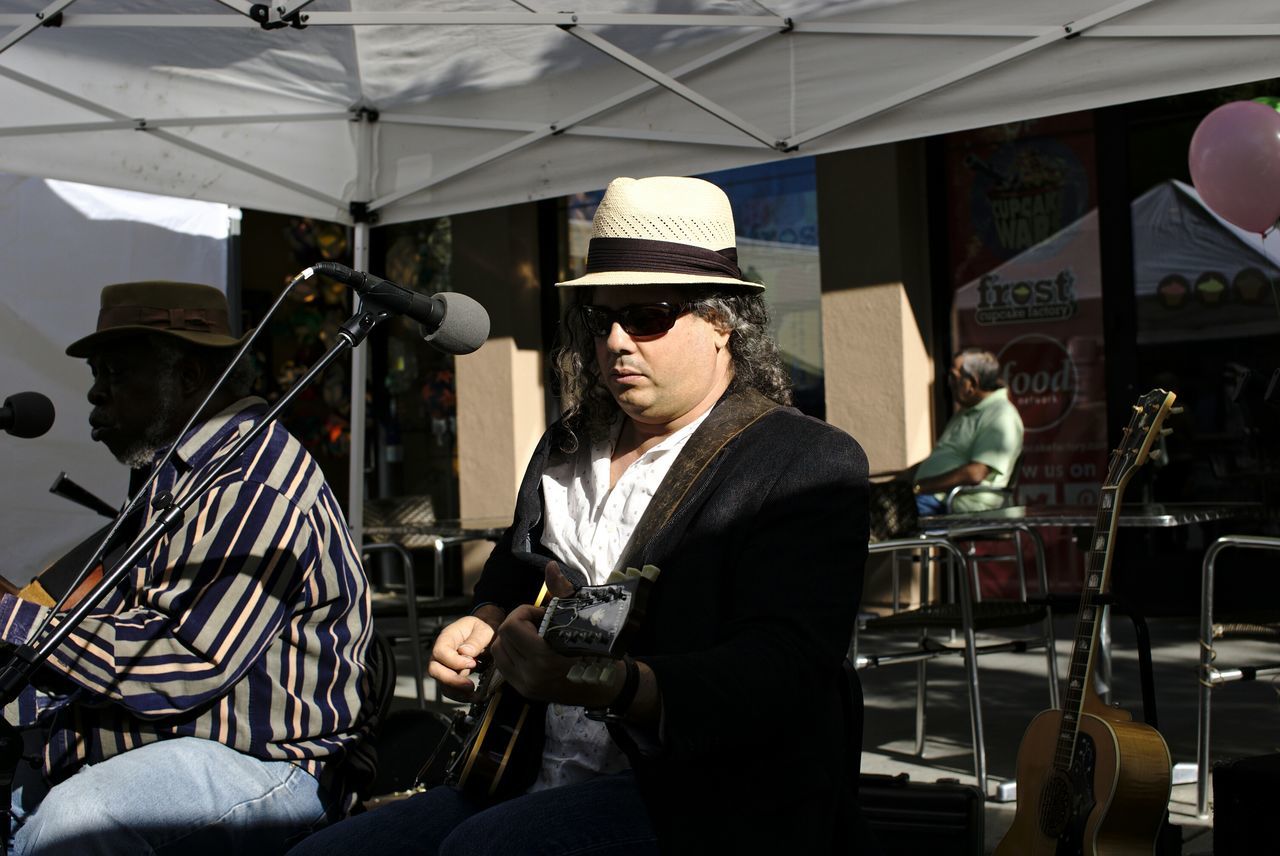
728, 728
206, 702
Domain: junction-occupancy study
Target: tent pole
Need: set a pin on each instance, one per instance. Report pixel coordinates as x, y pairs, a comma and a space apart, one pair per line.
355, 495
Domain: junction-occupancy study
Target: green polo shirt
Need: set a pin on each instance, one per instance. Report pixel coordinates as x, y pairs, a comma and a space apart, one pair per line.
988, 433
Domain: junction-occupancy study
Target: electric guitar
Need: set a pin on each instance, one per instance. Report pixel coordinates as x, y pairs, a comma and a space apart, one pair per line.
1091, 781
501, 731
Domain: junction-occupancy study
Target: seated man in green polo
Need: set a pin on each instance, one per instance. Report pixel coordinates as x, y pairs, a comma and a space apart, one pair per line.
980, 445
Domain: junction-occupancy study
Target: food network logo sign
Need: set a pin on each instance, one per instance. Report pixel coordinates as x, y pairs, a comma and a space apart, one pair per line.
1016, 301
1042, 380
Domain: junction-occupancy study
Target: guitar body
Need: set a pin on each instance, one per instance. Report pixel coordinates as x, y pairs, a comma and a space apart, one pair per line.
501, 757
503, 733
1110, 804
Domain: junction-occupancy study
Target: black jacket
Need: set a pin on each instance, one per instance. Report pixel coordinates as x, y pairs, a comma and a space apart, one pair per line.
747, 626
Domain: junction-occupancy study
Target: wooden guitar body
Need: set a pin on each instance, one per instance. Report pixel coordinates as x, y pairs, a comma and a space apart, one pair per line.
502, 758
1115, 807
501, 734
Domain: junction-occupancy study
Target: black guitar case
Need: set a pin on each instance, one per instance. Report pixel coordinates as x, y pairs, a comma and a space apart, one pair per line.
907, 818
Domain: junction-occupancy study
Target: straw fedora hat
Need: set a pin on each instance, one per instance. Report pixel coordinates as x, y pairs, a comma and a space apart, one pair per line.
663, 230
186, 310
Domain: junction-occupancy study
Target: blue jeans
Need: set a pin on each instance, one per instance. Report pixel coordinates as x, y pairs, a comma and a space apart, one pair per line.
927, 505
603, 816
182, 796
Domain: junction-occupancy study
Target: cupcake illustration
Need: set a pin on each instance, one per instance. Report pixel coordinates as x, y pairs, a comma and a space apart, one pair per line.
1172, 291
1211, 287
1250, 285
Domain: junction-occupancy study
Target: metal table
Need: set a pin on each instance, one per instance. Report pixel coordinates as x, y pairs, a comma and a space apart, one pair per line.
1152, 515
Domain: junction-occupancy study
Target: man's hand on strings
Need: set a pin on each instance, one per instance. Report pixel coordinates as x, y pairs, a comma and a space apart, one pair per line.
457, 649
529, 664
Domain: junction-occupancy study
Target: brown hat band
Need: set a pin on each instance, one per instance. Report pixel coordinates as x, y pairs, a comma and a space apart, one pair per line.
641, 254
194, 320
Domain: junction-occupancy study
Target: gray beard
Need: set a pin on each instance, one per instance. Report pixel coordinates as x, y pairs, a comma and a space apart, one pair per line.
160, 432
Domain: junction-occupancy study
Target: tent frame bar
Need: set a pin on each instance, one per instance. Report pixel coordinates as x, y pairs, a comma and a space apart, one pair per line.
172, 122
30, 23
587, 19
674, 86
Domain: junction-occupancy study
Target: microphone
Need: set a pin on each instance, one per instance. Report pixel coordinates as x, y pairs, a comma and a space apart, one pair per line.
449, 321
26, 414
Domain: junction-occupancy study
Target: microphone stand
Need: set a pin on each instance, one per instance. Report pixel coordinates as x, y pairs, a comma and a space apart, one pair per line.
26, 658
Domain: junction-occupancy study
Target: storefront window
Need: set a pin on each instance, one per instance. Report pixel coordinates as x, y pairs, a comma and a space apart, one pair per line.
275, 249
412, 391
1208, 330
1024, 262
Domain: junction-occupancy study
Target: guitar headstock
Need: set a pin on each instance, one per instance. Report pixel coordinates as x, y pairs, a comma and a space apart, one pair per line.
1146, 425
593, 622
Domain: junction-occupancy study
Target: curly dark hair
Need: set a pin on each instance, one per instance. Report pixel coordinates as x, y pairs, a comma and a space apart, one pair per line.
587, 407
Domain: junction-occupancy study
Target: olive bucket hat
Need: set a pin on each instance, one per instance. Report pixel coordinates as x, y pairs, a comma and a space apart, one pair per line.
186, 310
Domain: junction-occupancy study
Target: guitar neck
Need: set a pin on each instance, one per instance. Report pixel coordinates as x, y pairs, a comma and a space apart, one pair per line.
1097, 578
1134, 450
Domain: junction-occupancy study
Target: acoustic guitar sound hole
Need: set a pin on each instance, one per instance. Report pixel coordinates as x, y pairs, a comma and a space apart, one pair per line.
1055, 804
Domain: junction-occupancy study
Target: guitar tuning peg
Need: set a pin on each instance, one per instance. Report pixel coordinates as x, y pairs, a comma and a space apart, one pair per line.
1137, 409
1176, 411
1165, 432
1156, 456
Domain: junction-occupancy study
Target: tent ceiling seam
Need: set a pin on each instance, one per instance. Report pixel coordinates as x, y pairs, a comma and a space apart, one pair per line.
241, 6
604, 131
172, 139
1050, 36
466, 166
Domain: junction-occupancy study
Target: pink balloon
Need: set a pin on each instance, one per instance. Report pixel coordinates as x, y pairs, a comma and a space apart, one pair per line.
1235, 164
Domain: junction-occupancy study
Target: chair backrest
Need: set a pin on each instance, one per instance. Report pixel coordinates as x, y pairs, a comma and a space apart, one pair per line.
1009, 492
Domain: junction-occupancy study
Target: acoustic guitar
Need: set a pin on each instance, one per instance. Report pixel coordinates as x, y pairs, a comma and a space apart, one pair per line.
501, 731
1091, 781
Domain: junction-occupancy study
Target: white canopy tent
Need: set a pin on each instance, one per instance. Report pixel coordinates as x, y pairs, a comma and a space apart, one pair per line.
345, 108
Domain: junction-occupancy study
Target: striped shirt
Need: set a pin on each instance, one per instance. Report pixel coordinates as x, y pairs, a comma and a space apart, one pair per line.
247, 626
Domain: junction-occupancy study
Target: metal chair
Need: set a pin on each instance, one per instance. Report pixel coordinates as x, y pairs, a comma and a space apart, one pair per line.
1006, 495
967, 616
435, 609
1212, 676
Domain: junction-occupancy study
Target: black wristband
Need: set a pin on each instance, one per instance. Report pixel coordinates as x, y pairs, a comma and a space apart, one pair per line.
618, 708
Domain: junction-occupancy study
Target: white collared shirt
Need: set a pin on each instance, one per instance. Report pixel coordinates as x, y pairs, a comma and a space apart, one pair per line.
588, 525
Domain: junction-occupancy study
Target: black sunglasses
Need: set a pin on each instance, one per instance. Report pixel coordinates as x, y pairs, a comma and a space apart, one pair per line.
638, 319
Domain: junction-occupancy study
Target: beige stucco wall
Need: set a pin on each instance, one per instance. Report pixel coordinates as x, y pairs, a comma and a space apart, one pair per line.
501, 409
500, 418
878, 373
877, 314
876, 300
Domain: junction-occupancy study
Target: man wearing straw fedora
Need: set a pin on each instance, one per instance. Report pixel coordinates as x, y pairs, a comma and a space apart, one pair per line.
205, 703
728, 728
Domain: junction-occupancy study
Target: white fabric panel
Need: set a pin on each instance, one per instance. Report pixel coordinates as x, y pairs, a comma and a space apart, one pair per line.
785, 84
58, 246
